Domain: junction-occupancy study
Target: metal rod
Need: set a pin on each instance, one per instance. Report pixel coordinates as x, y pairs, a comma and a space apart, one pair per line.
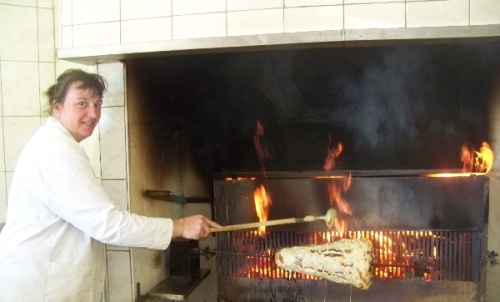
329, 218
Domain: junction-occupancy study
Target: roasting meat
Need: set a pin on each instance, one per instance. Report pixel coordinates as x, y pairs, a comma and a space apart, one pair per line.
344, 261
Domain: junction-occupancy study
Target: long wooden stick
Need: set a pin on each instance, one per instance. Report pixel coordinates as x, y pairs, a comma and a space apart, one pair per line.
328, 218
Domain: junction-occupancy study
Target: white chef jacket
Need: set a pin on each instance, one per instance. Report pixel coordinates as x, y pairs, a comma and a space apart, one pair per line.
58, 220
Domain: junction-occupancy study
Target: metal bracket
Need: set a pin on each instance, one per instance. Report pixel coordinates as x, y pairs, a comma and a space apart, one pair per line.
207, 253
492, 257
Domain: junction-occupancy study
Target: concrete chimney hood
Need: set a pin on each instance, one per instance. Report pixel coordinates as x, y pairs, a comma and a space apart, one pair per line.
334, 38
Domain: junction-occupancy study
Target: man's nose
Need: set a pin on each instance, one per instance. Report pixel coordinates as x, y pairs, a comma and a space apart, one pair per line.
92, 111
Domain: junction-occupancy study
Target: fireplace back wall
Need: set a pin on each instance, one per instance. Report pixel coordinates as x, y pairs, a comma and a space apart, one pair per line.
393, 107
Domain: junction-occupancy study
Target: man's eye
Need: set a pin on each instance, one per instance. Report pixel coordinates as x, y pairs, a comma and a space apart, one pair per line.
98, 105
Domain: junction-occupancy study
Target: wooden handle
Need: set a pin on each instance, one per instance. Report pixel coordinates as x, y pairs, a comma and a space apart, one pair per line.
252, 225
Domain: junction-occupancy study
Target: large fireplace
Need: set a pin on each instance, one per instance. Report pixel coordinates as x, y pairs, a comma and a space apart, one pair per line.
388, 120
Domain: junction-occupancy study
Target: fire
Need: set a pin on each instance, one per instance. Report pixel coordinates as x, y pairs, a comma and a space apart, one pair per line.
262, 204
333, 153
337, 186
484, 158
477, 161
474, 163
260, 146
261, 198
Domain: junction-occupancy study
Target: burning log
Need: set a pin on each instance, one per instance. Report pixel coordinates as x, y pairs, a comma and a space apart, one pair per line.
344, 261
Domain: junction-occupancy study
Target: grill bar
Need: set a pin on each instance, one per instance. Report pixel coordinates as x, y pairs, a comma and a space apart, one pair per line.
429, 255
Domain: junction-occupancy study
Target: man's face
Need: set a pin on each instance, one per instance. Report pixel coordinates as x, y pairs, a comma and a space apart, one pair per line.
80, 112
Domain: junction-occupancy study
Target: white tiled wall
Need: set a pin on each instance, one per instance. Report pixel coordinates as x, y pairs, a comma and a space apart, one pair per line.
87, 23
27, 60
31, 29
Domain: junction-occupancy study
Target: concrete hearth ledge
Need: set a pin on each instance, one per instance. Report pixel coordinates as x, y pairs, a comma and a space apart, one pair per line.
334, 38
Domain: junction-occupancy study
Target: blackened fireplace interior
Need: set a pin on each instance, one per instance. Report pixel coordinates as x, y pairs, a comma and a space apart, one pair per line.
303, 123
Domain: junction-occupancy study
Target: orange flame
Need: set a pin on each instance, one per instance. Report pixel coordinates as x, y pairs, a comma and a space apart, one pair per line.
260, 146
337, 186
467, 158
484, 158
333, 153
474, 163
477, 161
262, 204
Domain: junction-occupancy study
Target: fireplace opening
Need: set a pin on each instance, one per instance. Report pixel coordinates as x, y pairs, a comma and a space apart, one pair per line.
294, 120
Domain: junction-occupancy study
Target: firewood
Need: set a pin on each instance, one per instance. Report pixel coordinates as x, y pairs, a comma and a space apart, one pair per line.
344, 261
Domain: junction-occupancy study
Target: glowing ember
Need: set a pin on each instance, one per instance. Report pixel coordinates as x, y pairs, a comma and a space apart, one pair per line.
262, 204
401, 255
453, 174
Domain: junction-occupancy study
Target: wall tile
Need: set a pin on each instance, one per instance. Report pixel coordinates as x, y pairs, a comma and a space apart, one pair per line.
117, 191
314, 18
2, 150
29, 3
62, 65
484, 12
145, 30
187, 7
133, 9
17, 132
236, 5
1, 98
119, 276
11, 46
197, 26
92, 149
20, 88
67, 37
47, 77
3, 197
66, 9
371, 1
360, 16
57, 26
8, 180
112, 143
95, 11
46, 46
45, 3
295, 3
115, 93
96, 34
437, 13
255, 22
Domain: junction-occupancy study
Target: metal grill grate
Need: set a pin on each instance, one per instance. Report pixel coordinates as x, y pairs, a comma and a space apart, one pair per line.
428, 255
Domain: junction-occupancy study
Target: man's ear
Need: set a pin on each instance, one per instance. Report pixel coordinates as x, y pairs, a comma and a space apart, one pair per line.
57, 108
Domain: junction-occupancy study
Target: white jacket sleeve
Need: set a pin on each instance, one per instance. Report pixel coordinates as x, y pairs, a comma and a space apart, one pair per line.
74, 193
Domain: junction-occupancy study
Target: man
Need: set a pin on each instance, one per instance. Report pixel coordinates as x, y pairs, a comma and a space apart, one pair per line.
58, 215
